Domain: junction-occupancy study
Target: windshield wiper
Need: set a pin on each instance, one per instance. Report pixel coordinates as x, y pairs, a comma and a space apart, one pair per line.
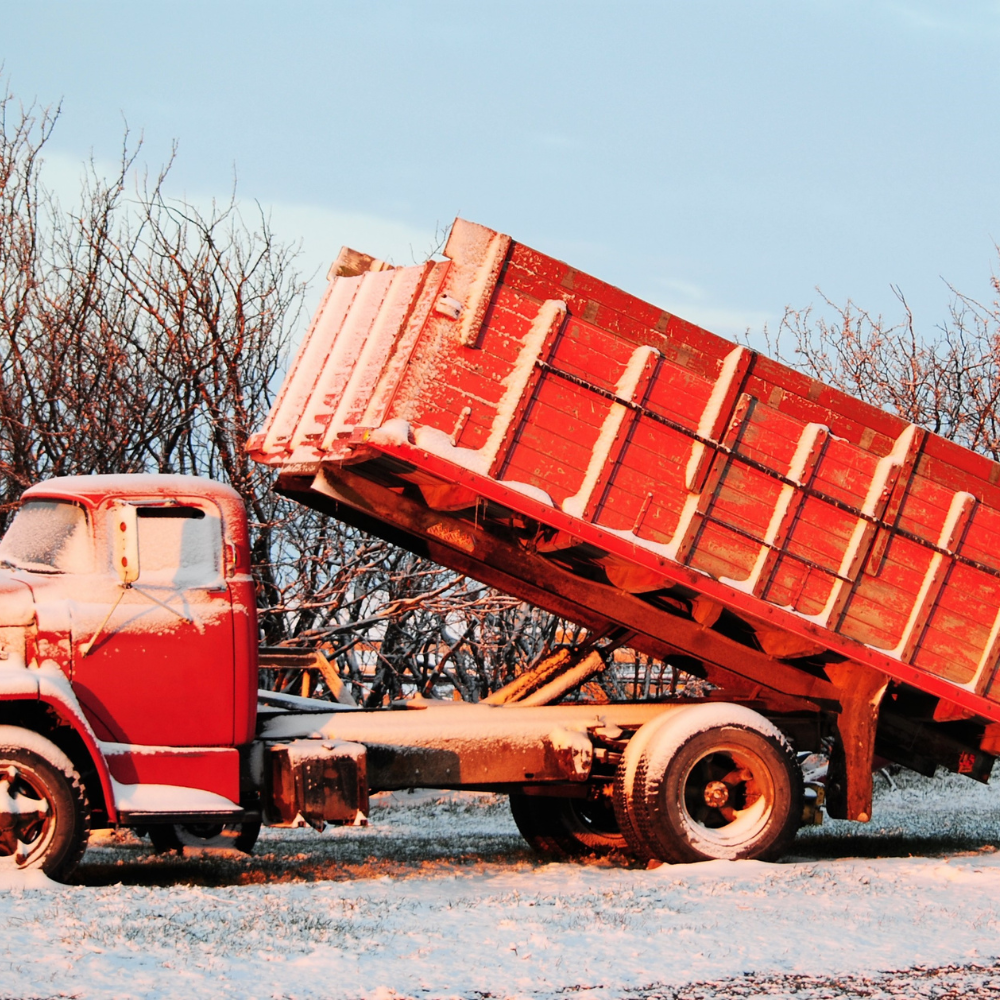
30, 567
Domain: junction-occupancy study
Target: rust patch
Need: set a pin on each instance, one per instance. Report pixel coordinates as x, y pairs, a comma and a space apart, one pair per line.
453, 536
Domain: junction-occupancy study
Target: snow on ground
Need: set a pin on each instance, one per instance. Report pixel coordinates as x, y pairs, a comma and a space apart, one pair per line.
440, 898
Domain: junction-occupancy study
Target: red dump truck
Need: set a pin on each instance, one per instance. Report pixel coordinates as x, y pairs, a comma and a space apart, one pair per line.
828, 569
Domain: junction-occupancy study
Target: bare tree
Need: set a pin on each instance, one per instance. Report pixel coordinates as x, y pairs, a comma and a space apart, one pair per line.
143, 334
948, 382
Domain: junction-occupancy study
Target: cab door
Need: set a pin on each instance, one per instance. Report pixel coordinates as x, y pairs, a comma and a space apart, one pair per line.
161, 671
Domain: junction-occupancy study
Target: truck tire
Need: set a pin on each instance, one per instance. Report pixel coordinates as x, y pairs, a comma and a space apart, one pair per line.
44, 818
624, 794
560, 828
717, 781
168, 837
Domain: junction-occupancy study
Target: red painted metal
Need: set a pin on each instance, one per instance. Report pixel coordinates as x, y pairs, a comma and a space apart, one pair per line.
215, 769
672, 456
62, 702
196, 689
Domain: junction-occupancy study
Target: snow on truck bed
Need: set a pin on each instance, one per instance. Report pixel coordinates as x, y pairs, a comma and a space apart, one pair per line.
636, 450
440, 898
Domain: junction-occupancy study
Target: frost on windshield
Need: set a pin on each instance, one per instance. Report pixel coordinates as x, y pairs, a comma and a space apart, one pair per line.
48, 536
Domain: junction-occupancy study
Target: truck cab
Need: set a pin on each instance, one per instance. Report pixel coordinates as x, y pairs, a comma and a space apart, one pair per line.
144, 676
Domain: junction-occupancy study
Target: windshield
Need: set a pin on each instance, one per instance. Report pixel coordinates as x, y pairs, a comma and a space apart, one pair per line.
48, 536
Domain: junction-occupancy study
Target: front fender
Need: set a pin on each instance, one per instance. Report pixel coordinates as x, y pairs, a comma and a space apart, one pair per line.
49, 685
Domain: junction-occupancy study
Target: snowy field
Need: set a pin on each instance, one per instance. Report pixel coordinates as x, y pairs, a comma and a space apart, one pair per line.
440, 898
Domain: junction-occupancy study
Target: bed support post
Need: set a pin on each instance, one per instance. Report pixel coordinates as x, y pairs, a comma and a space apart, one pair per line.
849, 782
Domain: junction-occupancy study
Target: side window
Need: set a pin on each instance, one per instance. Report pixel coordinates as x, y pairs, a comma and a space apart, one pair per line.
179, 547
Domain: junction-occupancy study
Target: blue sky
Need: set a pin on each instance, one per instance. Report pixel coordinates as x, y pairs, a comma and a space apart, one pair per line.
721, 159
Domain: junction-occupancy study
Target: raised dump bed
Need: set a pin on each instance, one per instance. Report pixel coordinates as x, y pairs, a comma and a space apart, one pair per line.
540, 430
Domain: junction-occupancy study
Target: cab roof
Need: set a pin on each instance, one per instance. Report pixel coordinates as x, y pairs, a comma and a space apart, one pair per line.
94, 490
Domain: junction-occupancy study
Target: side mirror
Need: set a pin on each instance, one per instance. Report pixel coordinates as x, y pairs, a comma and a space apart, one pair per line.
125, 542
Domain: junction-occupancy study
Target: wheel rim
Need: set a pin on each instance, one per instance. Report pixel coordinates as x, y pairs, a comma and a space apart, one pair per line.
595, 817
27, 819
727, 796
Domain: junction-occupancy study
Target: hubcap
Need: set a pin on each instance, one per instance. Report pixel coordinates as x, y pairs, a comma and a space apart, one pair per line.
25, 815
716, 794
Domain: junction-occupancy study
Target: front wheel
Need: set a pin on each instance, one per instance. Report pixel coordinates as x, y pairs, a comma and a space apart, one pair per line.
558, 827
717, 782
43, 807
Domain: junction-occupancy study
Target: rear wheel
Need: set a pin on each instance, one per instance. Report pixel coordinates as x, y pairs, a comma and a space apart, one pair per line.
43, 807
225, 836
627, 778
559, 828
717, 782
